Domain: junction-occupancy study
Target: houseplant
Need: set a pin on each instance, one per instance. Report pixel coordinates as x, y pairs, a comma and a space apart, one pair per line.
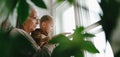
75, 47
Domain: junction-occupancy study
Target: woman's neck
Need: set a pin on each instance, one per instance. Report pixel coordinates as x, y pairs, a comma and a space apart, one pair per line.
26, 30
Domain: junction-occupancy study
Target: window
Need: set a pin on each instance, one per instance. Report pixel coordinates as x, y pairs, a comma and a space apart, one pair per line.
84, 13
88, 16
68, 20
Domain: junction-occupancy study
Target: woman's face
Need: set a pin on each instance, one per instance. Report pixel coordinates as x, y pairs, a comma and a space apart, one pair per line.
32, 21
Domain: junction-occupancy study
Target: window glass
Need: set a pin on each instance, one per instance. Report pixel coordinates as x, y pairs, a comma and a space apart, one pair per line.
68, 20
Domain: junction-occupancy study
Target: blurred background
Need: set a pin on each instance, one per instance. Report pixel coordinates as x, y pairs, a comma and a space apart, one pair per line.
99, 17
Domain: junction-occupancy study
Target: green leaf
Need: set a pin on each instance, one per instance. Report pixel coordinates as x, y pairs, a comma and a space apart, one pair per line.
77, 35
56, 39
6, 7
39, 3
88, 35
78, 30
5, 47
11, 4
59, 51
60, 38
71, 1
59, 1
79, 54
23, 10
87, 45
8, 4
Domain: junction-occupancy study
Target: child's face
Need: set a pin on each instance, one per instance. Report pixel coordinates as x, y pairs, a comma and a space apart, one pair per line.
48, 26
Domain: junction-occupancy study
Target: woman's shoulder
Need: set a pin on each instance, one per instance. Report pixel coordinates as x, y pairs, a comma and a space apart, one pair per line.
15, 31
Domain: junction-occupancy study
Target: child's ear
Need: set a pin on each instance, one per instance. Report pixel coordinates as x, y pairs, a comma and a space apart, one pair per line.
43, 24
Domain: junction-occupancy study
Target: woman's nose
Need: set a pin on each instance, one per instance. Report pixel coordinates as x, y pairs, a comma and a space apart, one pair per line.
37, 21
